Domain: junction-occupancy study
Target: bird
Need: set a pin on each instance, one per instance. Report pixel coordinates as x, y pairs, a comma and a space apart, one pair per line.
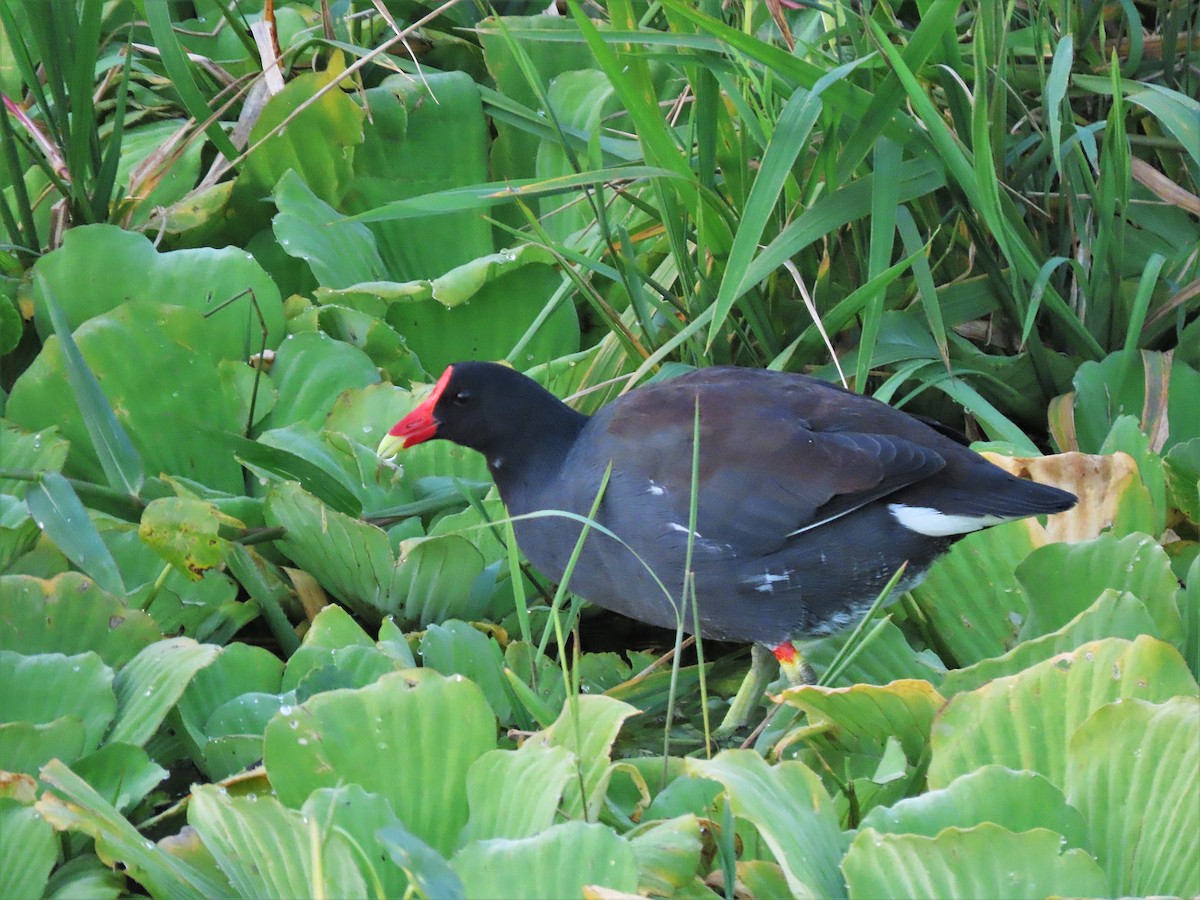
809, 497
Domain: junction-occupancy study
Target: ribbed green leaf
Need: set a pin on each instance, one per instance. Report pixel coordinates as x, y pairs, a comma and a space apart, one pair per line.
71, 803
151, 683
516, 793
1025, 721
32, 850
267, 850
559, 862
1133, 770
791, 810
70, 614
984, 861
410, 737
1018, 801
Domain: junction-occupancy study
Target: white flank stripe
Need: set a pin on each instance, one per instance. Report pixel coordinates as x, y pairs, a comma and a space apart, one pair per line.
934, 523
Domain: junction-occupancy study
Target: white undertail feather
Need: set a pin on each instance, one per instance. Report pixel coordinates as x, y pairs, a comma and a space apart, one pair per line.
935, 523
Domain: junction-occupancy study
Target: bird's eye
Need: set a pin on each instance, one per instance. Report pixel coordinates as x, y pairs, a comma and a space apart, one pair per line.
462, 398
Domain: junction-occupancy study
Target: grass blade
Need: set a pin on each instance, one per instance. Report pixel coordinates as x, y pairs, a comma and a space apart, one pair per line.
120, 460
918, 177
884, 205
936, 28
158, 17
1056, 90
60, 514
787, 141
924, 278
1141, 302
494, 193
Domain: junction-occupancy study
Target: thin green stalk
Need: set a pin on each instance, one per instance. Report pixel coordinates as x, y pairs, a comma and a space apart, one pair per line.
854, 644
518, 585
683, 606
28, 229
588, 523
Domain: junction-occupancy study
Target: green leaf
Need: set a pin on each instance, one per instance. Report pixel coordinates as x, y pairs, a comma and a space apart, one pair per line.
86, 876
150, 685
434, 578
71, 804
478, 310
1055, 91
267, 850
515, 793
1062, 580
42, 451
1133, 770
1122, 384
122, 774
863, 716
668, 855
1188, 600
241, 670
351, 559
1114, 614
385, 347
46, 687
403, 155
70, 614
889, 658
427, 869
185, 532
170, 184
410, 737
32, 850
791, 810
559, 862
362, 817
587, 726
235, 734
456, 647
972, 598
100, 267
56, 509
1178, 113
18, 532
25, 746
309, 373
332, 629
1025, 721
339, 253
1182, 469
316, 142
262, 456
159, 368
1017, 801
984, 861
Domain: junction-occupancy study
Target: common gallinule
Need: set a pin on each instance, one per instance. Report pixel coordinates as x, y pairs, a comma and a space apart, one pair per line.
810, 497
